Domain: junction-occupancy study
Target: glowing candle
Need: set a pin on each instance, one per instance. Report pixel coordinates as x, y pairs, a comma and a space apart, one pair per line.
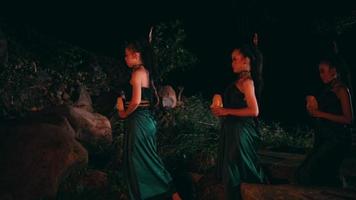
120, 104
217, 101
312, 103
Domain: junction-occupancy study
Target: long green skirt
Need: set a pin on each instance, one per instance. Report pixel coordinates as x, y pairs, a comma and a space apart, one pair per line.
145, 173
237, 159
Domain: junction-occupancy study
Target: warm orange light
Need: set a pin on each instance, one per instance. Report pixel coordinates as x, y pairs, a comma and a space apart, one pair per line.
312, 103
217, 101
120, 104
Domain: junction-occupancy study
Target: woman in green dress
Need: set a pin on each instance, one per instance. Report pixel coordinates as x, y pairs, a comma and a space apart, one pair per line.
144, 170
237, 157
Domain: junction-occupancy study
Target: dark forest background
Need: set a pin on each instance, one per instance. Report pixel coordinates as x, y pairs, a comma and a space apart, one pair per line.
293, 36
62, 69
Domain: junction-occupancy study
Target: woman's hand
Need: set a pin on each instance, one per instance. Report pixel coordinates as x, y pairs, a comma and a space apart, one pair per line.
122, 114
219, 112
314, 113
312, 103
176, 196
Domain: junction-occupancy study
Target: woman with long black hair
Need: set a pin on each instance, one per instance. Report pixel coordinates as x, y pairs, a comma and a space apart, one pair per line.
145, 173
333, 114
237, 157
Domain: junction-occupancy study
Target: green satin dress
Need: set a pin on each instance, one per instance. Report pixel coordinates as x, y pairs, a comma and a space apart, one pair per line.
144, 170
237, 158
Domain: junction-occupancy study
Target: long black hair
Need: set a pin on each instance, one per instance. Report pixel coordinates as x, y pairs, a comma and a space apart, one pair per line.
335, 62
256, 68
143, 46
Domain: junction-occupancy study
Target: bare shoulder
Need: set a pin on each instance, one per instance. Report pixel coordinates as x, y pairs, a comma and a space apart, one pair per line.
139, 72
136, 77
247, 83
341, 91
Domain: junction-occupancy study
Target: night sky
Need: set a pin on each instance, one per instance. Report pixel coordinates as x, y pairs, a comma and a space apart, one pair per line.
287, 40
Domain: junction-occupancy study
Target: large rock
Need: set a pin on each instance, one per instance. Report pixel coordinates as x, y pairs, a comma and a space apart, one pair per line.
35, 155
168, 97
84, 101
91, 128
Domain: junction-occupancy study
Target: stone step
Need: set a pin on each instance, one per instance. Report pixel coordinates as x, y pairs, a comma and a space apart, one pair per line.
290, 192
280, 166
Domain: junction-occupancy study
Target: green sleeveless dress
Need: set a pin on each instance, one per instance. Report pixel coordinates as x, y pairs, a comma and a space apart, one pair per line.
144, 170
237, 157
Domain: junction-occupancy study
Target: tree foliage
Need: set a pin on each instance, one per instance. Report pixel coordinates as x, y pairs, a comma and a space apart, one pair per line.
169, 49
42, 71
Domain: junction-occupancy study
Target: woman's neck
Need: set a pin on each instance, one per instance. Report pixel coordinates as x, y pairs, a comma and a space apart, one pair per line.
243, 71
243, 74
333, 83
137, 66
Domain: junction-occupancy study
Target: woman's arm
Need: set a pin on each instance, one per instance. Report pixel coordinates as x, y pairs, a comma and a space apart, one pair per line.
346, 117
136, 94
252, 107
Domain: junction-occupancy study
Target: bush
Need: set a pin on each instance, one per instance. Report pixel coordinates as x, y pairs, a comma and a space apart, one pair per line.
168, 47
42, 71
189, 133
298, 139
